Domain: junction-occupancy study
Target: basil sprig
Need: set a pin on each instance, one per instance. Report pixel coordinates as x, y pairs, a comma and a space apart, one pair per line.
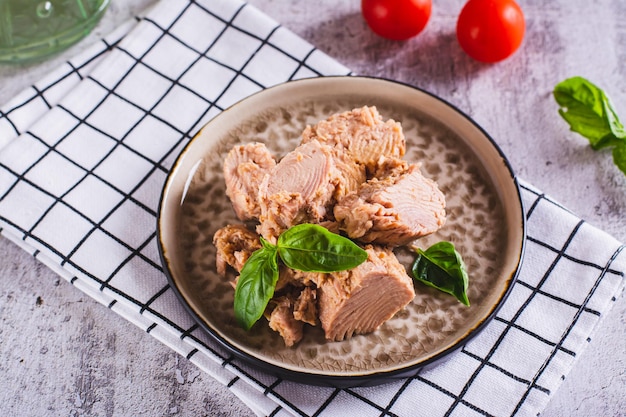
256, 283
312, 248
305, 247
589, 112
442, 267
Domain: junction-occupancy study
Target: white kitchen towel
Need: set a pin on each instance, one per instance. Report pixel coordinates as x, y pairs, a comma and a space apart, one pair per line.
19, 113
79, 189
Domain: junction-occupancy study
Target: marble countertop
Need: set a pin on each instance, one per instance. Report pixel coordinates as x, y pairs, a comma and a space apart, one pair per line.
81, 363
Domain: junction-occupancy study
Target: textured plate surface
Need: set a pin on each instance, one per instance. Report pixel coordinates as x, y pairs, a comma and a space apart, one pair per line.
484, 220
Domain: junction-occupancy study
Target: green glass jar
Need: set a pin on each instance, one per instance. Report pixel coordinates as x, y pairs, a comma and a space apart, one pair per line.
31, 30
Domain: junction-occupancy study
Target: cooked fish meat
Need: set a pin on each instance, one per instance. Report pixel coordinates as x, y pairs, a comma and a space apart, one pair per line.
393, 210
359, 300
281, 319
245, 167
290, 310
350, 176
347, 175
234, 244
305, 307
362, 134
299, 189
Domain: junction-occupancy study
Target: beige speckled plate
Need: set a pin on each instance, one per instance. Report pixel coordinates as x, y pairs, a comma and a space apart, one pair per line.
485, 222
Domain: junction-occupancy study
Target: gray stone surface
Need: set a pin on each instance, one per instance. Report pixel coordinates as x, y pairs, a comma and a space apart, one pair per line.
61, 353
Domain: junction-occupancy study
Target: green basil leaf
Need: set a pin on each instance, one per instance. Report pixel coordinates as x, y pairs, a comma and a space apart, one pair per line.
619, 157
442, 267
312, 248
606, 142
588, 111
256, 284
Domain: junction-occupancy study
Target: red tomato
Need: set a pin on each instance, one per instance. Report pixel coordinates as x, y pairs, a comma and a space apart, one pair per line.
490, 30
396, 19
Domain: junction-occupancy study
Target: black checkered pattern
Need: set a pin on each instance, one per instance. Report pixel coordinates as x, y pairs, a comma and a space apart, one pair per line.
17, 115
80, 179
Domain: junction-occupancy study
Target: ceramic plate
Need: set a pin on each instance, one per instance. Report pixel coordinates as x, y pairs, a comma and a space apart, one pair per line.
484, 220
